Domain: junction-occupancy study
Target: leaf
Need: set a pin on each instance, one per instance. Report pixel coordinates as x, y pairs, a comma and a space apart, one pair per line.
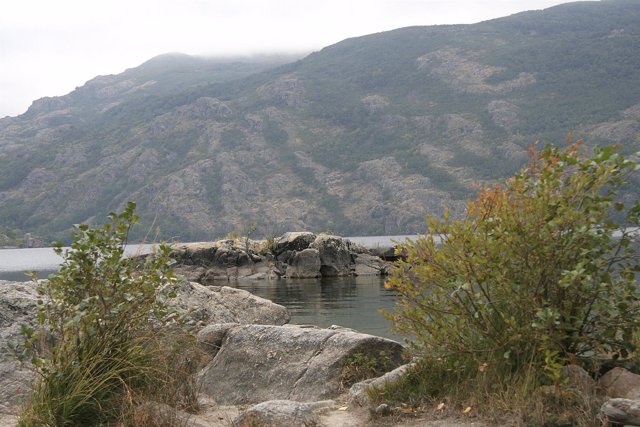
467, 410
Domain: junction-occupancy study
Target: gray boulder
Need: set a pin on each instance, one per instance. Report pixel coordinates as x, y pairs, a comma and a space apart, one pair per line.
17, 307
277, 413
623, 411
360, 393
370, 265
304, 264
258, 363
576, 377
208, 262
335, 255
210, 337
205, 305
620, 382
294, 241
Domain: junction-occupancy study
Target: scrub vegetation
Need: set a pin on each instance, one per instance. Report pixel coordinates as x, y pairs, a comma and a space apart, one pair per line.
105, 343
540, 274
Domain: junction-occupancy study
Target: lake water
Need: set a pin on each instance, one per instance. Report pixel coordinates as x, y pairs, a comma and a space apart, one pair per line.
352, 302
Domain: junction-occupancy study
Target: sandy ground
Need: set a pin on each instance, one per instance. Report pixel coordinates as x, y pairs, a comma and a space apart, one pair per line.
340, 415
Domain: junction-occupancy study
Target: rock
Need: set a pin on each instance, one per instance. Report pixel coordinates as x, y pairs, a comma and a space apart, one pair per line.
304, 264
576, 377
17, 307
258, 362
383, 409
277, 413
359, 393
294, 241
154, 413
619, 382
210, 337
206, 305
623, 411
335, 256
370, 265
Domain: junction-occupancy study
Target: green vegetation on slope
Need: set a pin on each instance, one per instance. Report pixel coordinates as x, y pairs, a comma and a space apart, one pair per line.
401, 122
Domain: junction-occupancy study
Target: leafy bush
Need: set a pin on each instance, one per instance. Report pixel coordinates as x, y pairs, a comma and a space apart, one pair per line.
98, 348
537, 275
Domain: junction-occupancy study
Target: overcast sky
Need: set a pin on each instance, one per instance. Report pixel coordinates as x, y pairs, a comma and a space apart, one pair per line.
48, 47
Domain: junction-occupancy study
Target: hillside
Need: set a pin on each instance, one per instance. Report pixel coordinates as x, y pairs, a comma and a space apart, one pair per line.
362, 137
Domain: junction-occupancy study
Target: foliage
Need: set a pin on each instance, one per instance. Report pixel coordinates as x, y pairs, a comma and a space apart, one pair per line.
360, 366
536, 275
98, 347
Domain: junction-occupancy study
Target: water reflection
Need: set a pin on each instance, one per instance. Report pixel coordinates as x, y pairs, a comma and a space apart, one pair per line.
353, 302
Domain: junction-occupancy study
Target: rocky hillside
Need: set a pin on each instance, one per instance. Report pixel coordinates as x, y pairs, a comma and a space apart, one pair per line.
362, 137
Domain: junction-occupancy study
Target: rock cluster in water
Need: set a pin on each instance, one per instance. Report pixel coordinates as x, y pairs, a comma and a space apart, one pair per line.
292, 255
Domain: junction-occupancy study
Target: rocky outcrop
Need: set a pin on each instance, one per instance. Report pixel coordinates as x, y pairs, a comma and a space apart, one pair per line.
370, 265
257, 363
222, 260
202, 305
292, 255
292, 241
305, 264
17, 307
335, 256
205, 305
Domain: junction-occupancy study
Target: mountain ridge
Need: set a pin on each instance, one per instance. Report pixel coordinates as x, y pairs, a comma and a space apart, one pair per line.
362, 137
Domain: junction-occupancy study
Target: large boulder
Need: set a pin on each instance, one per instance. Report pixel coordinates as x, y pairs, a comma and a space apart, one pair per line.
335, 255
622, 411
205, 305
620, 382
304, 264
202, 305
17, 307
259, 362
294, 241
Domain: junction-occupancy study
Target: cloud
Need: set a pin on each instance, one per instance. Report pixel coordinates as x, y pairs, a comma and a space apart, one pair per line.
49, 47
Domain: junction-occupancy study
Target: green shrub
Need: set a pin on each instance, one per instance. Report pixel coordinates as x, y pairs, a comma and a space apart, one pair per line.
534, 276
101, 346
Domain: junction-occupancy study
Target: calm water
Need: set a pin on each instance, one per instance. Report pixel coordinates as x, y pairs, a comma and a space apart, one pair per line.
353, 302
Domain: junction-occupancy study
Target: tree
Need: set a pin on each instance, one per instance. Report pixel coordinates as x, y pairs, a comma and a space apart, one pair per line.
538, 273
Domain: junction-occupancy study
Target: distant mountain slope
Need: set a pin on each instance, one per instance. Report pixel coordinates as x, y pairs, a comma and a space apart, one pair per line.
362, 137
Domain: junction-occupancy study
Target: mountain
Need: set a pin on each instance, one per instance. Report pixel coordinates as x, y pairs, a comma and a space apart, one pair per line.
363, 137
